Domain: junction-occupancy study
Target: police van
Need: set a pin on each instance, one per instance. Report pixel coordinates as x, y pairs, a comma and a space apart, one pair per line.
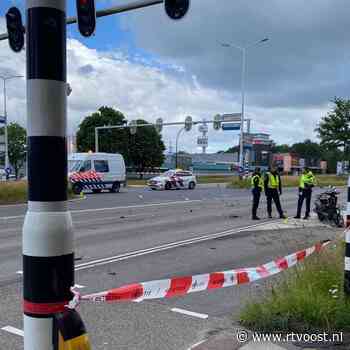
96, 172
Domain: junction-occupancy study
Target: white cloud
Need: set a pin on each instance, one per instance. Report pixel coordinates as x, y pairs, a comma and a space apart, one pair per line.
142, 90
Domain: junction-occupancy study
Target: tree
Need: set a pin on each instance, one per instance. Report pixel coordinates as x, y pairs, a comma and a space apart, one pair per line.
146, 148
281, 149
334, 128
142, 150
17, 142
310, 151
110, 140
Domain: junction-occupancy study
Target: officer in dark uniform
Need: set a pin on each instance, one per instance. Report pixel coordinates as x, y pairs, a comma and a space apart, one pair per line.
306, 183
257, 184
273, 190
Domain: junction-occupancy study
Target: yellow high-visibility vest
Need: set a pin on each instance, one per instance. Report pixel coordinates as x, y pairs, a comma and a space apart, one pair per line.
274, 181
260, 183
308, 179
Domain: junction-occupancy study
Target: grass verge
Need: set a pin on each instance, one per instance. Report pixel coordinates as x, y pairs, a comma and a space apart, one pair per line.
309, 297
293, 181
13, 192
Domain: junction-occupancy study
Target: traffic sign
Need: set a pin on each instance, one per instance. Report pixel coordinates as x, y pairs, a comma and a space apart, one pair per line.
202, 141
231, 126
232, 117
188, 123
133, 127
2, 119
159, 124
203, 128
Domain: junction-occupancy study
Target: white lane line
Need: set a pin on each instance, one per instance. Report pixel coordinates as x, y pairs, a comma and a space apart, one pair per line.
197, 344
168, 246
125, 256
164, 204
190, 313
13, 330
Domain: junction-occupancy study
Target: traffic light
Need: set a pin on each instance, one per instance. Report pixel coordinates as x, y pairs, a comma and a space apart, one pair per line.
15, 29
188, 123
217, 122
176, 9
86, 14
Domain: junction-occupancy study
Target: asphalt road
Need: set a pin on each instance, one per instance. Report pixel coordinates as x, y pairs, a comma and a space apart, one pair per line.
107, 226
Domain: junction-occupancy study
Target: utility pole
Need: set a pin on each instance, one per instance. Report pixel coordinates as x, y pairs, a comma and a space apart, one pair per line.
4, 79
48, 253
48, 257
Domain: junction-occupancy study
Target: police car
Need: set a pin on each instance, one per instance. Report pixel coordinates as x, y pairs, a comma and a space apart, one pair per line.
173, 179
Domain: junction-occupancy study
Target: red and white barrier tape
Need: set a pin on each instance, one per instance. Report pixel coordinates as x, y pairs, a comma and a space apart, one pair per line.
178, 286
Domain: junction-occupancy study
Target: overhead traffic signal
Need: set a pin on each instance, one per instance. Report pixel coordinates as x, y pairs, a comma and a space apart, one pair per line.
86, 14
176, 9
217, 122
15, 29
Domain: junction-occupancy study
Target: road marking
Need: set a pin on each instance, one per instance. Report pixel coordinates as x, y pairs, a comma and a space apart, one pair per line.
163, 247
190, 313
197, 344
164, 204
13, 330
136, 206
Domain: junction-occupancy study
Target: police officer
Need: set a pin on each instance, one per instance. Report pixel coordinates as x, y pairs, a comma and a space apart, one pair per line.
306, 183
273, 190
257, 183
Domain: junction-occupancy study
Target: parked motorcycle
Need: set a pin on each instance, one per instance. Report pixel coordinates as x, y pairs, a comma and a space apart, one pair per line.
327, 208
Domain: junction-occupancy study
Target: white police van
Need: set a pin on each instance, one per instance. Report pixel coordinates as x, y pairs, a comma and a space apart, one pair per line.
96, 172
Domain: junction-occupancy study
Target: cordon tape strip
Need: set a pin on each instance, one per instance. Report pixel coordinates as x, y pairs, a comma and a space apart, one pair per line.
179, 286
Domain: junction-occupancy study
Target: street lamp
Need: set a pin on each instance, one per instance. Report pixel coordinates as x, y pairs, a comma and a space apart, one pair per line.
5, 78
244, 54
176, 147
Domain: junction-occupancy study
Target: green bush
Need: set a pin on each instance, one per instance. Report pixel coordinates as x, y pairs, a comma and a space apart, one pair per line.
12, 192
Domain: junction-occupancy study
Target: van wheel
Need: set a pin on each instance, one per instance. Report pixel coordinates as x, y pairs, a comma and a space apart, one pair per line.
191, 185
96, 190
167, 186
115, 187
77, 188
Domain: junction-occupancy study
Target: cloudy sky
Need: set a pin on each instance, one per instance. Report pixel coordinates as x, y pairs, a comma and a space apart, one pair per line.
148, 66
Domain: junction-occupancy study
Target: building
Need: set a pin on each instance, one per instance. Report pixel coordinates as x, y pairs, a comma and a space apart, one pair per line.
258, 149
291, 163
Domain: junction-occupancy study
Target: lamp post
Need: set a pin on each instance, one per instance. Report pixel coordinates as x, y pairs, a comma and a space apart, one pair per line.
244, 55
4, 79
177, 142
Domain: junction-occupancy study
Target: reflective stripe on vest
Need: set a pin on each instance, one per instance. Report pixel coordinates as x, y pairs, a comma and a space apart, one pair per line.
274, 182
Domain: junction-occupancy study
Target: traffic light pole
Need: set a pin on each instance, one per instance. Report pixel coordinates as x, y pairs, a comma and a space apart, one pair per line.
48, 257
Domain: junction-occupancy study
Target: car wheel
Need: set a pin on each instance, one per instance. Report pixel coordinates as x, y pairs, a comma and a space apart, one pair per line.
191, 185
168, 186
96, 190
77, 188
115, 187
